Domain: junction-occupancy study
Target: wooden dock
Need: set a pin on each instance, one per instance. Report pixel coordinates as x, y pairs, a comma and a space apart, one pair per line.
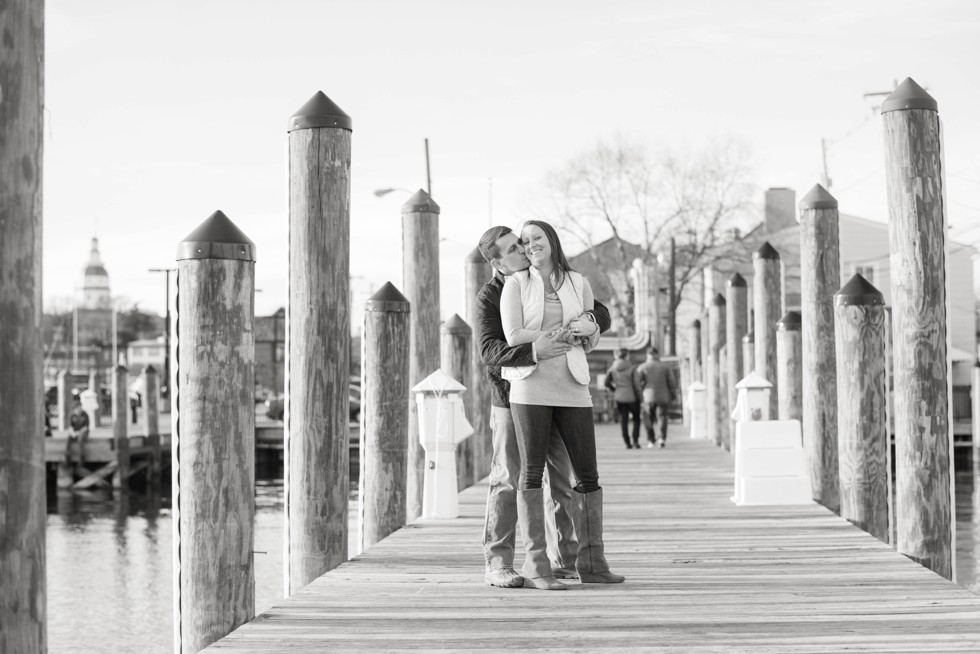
702, 576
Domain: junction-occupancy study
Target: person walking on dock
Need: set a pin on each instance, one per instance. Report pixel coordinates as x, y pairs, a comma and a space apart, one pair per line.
501, 249
78, 427
621, 380
549, 298
659, 392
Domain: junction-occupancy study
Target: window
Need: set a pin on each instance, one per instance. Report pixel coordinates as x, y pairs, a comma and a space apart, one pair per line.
866, 271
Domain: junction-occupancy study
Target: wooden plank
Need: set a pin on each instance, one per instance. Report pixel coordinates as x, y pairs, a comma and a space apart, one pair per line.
97, 478
703, 575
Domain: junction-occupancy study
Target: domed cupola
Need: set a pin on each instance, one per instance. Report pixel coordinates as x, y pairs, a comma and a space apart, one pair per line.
95, 287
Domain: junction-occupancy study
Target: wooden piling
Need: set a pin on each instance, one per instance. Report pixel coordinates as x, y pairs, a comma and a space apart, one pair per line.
767, 298
23, 514
819, 280
975, 410
862, 434
65, 405
457, 339
694, 356
151, 426
917, 239
716, 338
705, 350
384, 415
420, 283
748, 352
737, 326
120, 426
317, 419
789, 366
213, 449
94, 415
478, 272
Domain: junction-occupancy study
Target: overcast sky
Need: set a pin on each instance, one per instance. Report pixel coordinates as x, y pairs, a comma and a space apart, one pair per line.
158, 114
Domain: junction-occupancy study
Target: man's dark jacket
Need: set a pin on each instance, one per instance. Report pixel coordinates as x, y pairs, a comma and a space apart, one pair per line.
494, 349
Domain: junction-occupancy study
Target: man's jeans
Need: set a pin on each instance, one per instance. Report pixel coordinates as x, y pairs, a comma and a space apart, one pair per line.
655, 413
501, 515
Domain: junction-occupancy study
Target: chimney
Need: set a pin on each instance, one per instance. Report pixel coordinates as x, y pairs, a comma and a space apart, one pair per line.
780, 211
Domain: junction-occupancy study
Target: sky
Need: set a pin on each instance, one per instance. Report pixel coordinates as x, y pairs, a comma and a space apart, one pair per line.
158, 114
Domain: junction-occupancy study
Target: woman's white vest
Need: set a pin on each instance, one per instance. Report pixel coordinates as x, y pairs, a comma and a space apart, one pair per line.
571, 294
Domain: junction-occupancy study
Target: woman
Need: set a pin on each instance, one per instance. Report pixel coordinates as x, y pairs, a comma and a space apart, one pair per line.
549, 298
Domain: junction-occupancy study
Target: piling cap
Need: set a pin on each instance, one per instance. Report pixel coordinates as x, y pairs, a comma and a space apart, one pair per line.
818, 198
696, 324
438, 383
858, 292
388, 298
791, 322
736, 281
766, 252
456, 325
749, 337
475, 256
150, 370
216, 238
754, 380
718, 300
319, 111
908, 95
420, 203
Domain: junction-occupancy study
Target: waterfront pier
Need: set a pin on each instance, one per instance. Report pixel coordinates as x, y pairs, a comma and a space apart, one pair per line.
703, 575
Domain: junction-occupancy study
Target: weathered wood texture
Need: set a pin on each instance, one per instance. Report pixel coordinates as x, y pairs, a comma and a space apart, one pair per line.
725, 426
384, 416
862, 435
420, 284
151, 424
767, 298
917, 238
736, 327
702, 576
716, 338
120, 425
23, 617
694, 353
789, 366
213, 449
318, 344
457, 339
478, 273
819, 280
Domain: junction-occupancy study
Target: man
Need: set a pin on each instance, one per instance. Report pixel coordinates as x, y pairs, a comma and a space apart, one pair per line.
659, 392
622, 381
501, 248
77, 431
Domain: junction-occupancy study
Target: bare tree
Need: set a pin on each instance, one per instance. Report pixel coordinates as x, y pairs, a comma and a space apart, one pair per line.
628, 191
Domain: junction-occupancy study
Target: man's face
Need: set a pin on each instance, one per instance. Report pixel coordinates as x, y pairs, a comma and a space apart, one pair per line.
512, 258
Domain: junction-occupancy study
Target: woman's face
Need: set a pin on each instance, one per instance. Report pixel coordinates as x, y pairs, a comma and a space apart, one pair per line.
536, 245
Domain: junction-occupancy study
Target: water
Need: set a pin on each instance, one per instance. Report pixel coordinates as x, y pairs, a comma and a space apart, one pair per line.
109, 563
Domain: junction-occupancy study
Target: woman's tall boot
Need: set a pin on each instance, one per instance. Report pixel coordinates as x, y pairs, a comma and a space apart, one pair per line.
537, 566
591, 562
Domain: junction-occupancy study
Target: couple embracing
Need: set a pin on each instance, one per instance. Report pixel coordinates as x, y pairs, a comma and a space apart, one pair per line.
536, 319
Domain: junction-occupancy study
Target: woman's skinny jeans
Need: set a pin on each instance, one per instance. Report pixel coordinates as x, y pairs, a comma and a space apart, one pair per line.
533, 426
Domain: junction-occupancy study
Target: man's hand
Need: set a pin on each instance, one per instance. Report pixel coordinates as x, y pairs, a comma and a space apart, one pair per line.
582, 326
550, 345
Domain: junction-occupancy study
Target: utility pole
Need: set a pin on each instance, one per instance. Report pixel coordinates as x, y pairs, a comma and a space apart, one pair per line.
428, 175
673, 297
165, 385
823, 153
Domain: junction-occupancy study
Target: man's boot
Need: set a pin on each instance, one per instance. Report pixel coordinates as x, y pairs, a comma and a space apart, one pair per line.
537, 567
591, 562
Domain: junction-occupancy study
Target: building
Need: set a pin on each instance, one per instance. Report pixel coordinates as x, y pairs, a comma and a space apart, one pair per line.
146, 352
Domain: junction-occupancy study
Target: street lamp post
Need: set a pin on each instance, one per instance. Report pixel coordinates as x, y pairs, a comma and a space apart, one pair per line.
165, 386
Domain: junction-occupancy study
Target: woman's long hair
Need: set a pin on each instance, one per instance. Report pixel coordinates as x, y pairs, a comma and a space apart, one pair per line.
558, 260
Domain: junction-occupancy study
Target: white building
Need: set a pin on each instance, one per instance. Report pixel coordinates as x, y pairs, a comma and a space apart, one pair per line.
140, 354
